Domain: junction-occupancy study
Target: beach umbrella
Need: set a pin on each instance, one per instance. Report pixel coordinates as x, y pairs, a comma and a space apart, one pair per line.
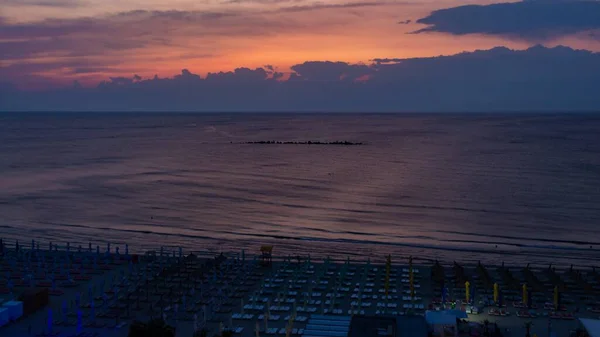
556, 298
266, 321
444, 294
92, 312
529, 298
524, 296
388, 266
467, 291
495, 292
79, 324
412, 283
49, 321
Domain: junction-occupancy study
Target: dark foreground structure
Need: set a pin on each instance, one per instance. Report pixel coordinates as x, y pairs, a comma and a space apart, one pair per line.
400, 326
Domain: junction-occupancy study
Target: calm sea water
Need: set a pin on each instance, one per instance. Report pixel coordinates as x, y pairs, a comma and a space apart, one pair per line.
515, 188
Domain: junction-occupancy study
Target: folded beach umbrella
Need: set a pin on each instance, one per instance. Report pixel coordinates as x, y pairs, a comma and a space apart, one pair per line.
444, 294
49, 321
79, 323
92, 312
495, 292
555, 297
524, 296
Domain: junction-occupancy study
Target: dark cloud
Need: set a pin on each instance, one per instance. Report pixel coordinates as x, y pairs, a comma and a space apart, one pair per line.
321, 6
330, 71
500, 79
533, 20
262, 2
386, 60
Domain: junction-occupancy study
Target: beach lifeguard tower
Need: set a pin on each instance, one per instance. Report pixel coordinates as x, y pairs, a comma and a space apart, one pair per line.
266, 255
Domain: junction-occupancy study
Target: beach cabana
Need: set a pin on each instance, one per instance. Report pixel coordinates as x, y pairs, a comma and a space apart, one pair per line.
440, 322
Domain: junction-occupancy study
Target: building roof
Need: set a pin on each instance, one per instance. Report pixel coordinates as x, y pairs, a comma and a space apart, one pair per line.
440, 318
394, 326
327, 325
592, 326
411, 326
372, 326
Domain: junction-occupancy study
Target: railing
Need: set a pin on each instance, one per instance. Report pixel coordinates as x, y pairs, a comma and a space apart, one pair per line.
73, 246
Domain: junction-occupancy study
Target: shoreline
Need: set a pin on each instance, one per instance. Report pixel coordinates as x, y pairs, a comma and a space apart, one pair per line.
339, 257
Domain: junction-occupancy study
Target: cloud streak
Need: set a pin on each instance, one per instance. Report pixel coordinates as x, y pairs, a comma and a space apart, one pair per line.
533, 20
499, 79
131, 30
46, 3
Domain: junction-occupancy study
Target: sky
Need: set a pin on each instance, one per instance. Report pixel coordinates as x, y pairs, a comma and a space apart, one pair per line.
113, 52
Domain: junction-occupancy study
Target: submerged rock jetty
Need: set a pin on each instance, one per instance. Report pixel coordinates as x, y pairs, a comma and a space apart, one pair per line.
313, 142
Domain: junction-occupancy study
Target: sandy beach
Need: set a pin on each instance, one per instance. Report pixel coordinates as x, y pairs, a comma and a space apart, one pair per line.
237, 291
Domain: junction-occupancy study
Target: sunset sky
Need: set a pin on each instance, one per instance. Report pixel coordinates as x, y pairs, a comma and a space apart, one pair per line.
122, 50
58, 41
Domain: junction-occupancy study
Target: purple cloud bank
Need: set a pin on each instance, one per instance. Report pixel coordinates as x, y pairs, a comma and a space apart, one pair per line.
549, 79
531, 20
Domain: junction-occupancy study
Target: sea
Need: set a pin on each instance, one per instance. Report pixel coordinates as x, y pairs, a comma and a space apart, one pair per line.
513, 188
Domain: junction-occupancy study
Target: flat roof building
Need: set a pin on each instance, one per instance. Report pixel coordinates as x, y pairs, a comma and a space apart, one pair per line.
388, 326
